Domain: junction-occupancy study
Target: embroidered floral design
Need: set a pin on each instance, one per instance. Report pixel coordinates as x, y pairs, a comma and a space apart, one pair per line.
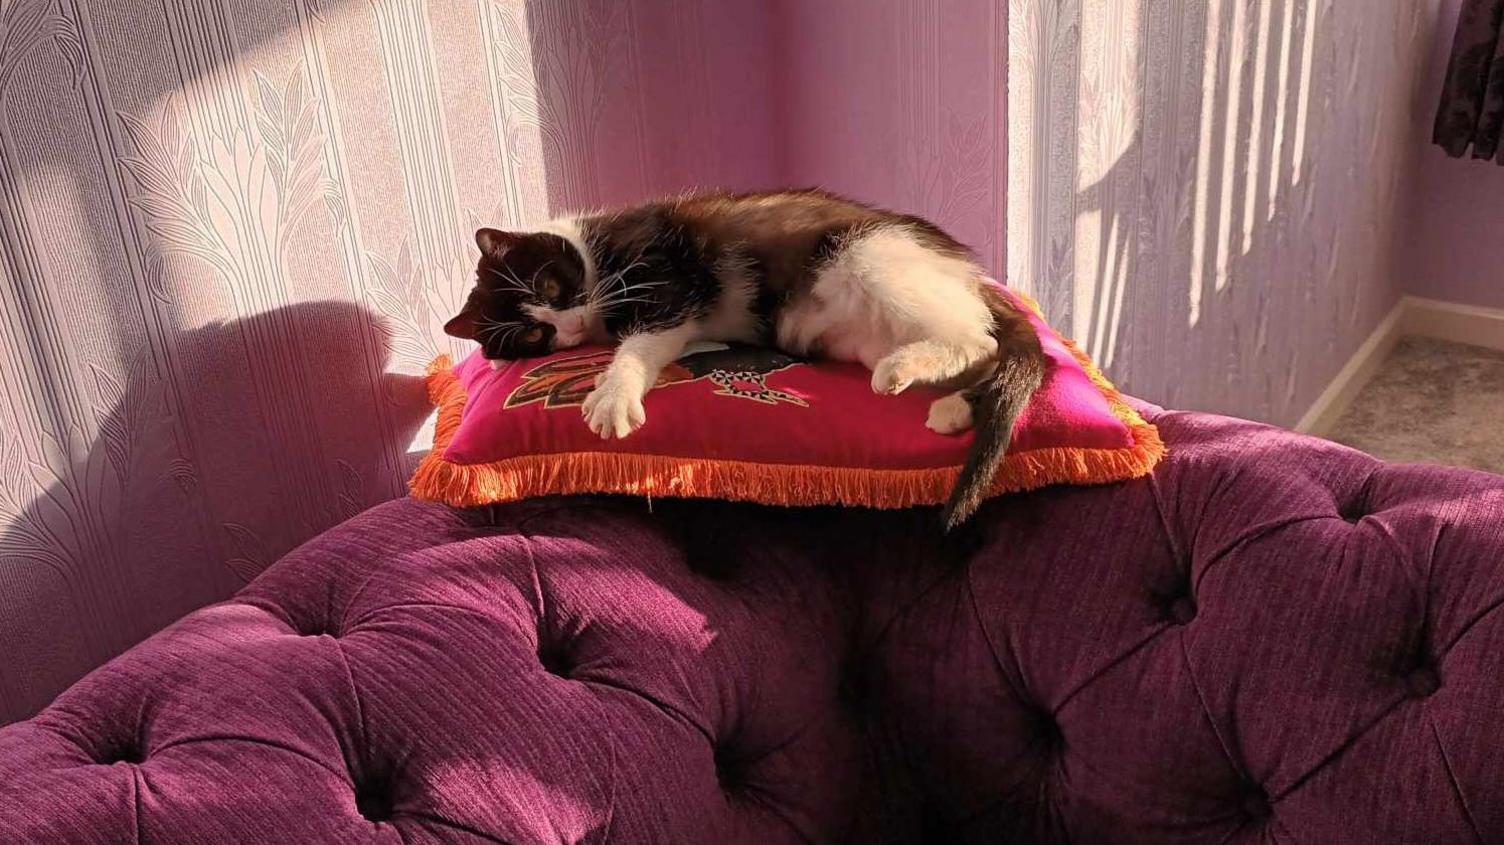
737, 371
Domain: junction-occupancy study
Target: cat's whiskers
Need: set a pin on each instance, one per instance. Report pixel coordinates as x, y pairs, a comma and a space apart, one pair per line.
489, 329
534, 280
620, 299
511, 282
606, 305
604, 298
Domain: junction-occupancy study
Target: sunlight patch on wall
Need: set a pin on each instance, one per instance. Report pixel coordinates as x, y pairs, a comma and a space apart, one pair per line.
1248, 59
299, 176
1282, 99
237, 172
1255, 144
231, 168
1303, 107
1232, 128
1204, 161
1109, 117
1189, 262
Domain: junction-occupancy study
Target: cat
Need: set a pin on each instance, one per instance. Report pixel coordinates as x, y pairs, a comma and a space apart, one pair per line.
807, 271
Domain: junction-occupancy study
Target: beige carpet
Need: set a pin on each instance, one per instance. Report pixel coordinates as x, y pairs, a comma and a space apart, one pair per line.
1431, 401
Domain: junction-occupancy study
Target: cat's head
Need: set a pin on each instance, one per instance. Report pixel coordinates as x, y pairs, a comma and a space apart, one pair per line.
530, 296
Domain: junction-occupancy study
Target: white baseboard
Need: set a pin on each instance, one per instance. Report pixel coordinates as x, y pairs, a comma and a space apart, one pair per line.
1354, 374
1412, 315
1459, 323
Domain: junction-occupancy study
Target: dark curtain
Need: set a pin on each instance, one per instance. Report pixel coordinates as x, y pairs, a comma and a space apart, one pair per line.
1472, 102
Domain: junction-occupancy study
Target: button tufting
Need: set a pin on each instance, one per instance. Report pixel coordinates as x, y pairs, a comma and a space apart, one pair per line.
1255, 804
1423, 682
1182, 610
129, 754
314, 628
1354, 509
727, 773
1046, 729
555, 660
373, 799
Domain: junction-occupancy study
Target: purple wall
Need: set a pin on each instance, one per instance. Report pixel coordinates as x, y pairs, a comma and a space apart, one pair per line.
1453, 247
900, 103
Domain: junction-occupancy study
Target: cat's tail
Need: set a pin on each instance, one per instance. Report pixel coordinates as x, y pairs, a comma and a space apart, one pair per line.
996, 404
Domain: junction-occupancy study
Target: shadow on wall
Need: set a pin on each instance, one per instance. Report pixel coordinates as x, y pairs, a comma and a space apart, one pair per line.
107, 547
153, 455
630, 99
1240, 161
573, 48
174, 176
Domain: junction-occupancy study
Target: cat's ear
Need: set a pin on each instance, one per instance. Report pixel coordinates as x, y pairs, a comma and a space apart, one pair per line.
462, 325
494, 242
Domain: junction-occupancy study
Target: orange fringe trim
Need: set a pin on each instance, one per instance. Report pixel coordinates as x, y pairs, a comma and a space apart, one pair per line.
526, 476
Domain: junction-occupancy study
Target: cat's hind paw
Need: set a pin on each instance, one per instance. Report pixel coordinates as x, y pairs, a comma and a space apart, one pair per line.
949, 415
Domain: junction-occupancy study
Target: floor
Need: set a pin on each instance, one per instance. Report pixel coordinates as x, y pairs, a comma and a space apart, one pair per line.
1434, 401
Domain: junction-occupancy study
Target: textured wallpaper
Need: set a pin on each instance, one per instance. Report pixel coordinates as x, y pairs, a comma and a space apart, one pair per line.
230, 231
1207, 193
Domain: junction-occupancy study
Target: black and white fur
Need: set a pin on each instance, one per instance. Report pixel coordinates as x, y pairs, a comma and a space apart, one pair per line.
809, 272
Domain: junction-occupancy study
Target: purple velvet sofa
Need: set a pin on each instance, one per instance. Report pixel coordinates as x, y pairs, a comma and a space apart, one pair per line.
1273, 638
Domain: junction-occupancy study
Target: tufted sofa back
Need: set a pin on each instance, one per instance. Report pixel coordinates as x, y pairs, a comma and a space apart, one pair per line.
569, 671
1274, 637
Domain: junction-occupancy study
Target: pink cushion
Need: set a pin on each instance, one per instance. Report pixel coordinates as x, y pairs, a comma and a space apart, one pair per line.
754, 424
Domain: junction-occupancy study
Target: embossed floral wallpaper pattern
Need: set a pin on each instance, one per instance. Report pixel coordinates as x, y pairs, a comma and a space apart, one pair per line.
231, 233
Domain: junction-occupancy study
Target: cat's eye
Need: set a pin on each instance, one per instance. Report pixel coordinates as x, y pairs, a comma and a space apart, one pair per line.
533, 335
550, 289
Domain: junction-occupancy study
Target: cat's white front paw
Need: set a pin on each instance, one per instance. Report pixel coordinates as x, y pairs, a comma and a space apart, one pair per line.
613, 410
949, 415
